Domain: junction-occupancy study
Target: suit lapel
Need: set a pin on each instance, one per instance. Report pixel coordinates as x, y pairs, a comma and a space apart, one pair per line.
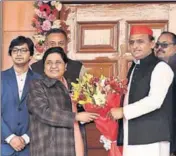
13, 83
129, 72
25, 89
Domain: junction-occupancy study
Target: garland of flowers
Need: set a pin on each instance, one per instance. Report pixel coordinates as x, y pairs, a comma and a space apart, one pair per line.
47, 16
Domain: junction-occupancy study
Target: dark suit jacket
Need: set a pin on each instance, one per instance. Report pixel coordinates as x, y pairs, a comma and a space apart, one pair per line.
172, 63
14, 112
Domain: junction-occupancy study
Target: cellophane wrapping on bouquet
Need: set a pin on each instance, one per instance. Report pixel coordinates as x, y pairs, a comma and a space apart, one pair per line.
107, 127
100, 95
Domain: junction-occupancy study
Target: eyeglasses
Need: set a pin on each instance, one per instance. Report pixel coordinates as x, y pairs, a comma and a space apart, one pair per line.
163, 45
22, 50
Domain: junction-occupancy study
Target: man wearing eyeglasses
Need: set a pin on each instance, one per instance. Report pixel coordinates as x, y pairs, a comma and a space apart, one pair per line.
165, 49
14, 113
147, 107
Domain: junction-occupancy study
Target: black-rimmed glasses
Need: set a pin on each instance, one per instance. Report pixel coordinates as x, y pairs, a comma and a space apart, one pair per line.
162, 45
22, 50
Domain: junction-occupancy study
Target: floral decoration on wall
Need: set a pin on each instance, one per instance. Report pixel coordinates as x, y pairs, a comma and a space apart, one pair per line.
48, 15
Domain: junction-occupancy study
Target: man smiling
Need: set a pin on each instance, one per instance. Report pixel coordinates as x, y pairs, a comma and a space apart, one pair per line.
147, 106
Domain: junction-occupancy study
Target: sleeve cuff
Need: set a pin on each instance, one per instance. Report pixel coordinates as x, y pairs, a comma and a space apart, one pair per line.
26, 138
9, 138
127, 114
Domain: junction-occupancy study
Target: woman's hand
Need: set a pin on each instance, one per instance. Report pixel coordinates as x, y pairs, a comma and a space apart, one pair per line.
86, 116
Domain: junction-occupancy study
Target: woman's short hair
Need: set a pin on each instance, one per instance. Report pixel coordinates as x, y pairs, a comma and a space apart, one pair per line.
20, 40
57, 50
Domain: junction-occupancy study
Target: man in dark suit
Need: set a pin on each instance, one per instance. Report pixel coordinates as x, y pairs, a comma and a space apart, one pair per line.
147, 106
15, 137
165, 49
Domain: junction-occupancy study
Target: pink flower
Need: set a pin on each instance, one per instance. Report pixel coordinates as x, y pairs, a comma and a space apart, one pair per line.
38, 12
39, 3
51, 17
46, 25
44, 15
36, 22
39, 48
39, 30
55, 12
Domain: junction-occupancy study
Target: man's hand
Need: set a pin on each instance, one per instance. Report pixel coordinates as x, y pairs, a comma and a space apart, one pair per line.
86, 116
116, 113
17, 143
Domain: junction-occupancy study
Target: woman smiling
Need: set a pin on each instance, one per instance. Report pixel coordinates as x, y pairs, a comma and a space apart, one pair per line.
53, 118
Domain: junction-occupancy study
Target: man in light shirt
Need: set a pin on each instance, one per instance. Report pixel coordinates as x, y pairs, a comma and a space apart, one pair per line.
165, 49
14, 113
147, 106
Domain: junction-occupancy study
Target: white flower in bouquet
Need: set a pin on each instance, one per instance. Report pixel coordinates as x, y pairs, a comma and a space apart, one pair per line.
56, 24
53, 3
38, 55
45, 1
102, 83
58, 6
38, 13
99, 98
39, 38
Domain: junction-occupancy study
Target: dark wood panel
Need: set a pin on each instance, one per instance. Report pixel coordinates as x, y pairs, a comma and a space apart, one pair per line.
101, 43
93, 136
102, 67
97, 152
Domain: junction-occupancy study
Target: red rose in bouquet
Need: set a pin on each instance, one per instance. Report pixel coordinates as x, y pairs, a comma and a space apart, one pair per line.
99, 95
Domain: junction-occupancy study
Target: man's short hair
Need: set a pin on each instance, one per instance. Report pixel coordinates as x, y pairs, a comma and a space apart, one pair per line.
151, 38
20, 40
170, 33
55, 31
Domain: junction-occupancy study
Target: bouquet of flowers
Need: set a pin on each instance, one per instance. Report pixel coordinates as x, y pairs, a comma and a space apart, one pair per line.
99, 95
47, 16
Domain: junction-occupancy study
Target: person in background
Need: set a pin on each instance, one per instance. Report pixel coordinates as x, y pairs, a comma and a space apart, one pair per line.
58, 38
165, 49
147, 105
15, 137
53, 118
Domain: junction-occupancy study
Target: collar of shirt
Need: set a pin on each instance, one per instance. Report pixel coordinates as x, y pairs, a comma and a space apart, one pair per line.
21, 82
23, 75
137, 61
